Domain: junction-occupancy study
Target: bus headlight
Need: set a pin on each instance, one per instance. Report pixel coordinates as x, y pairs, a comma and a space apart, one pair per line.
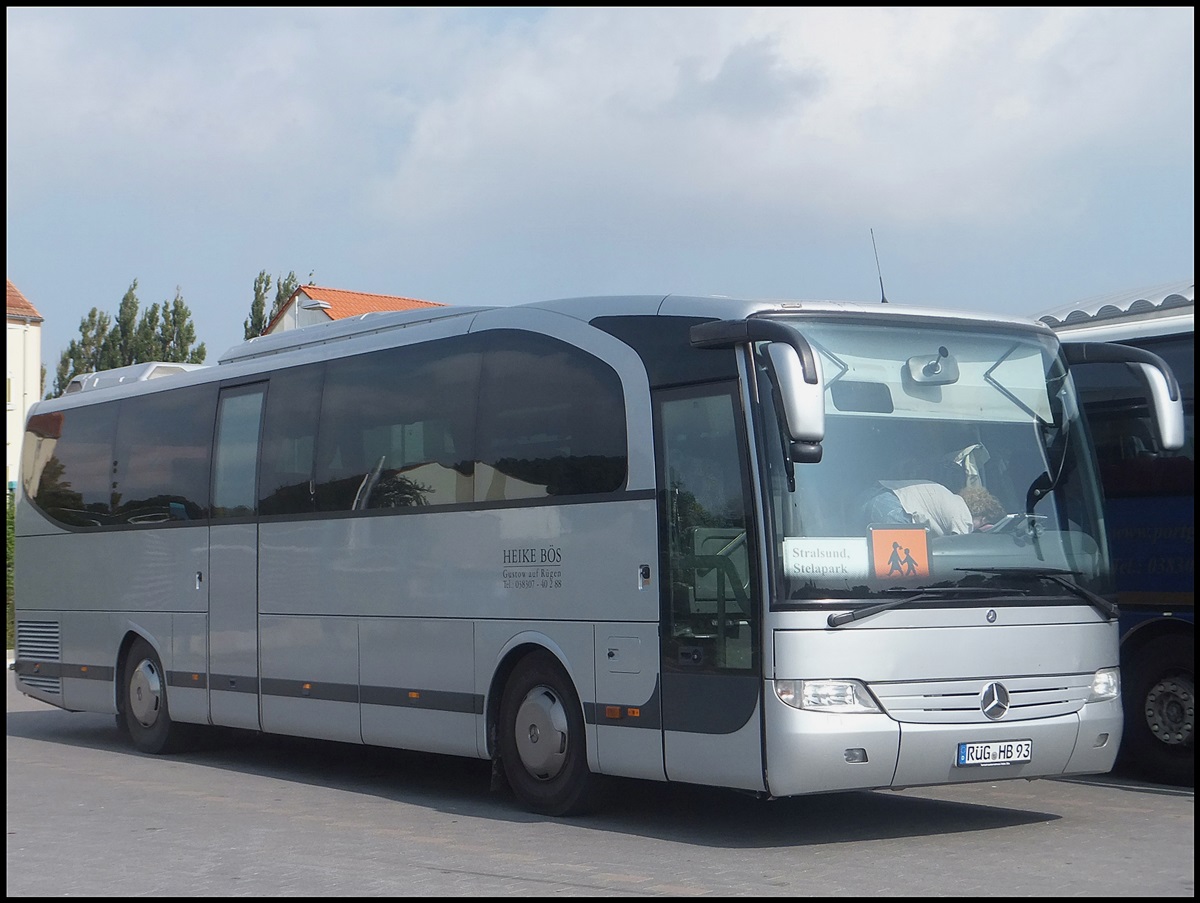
1106, 684
840, 697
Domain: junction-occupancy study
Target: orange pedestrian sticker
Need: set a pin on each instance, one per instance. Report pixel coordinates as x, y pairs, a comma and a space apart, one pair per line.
899, 552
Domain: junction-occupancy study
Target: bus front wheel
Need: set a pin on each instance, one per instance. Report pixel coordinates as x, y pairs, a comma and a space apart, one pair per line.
1160, 711
144, 713
542, 746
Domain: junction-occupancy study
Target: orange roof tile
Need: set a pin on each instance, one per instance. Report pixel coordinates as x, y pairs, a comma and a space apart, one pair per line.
349, 304
18, 305
344, 303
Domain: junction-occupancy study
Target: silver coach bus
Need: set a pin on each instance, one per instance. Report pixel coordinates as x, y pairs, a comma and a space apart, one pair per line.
631, 536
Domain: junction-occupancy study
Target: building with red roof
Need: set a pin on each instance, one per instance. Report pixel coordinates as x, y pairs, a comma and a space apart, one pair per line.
23, 326
312, 304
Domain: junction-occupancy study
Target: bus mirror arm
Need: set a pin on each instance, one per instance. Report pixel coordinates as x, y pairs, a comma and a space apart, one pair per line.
1154, 372
727, 333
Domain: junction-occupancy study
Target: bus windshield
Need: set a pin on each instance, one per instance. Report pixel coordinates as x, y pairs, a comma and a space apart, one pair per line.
952, 459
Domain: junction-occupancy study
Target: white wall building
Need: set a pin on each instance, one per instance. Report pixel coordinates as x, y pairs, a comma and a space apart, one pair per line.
24, 384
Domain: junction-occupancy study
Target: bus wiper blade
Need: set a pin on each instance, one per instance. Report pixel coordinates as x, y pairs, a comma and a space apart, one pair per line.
1061, 577
916, 595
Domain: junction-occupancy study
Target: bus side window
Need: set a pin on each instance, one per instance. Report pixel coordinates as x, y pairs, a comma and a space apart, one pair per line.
289, 437
418, 444
239, 413
163, 456
391, 432
75, 482
535, 437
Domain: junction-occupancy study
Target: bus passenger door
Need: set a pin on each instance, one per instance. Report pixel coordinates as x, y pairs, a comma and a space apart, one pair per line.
233, 560
711, 617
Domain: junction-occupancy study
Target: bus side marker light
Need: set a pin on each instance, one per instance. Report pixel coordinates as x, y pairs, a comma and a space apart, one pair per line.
306, 689
413, 694
612, 711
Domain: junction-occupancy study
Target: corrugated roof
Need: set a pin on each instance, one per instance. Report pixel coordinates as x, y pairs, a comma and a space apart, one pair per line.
18, 305
1165, 297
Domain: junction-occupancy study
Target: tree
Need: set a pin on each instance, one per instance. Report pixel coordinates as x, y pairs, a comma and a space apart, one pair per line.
256, 324
162, 333
177, 335
283, 291
120, 345
83, 355
146, 341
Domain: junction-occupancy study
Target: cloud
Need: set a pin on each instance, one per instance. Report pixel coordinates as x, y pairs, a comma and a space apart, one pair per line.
463, 152
928, 114
830, 112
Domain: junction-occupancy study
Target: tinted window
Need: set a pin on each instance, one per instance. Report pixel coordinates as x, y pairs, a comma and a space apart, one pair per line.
163, 456
665, 347
235, 461
289, 439
71, 474
396, 427
551, 421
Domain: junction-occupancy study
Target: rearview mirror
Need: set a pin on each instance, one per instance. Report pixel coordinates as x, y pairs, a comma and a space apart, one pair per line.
802, 403
1156, 375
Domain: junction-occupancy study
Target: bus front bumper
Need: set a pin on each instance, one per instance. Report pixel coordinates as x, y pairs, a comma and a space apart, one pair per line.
812, 752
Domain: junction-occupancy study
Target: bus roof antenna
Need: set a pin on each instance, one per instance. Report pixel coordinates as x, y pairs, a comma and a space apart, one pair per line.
882, 296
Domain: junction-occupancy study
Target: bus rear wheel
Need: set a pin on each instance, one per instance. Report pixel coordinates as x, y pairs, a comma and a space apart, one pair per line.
1160, 711
144, 713
541, 734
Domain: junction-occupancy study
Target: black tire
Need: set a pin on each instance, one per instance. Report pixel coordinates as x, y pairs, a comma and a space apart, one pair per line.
543, 750
1160, 711
144, 713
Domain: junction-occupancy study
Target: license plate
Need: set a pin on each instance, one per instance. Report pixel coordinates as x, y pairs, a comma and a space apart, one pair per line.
999, 752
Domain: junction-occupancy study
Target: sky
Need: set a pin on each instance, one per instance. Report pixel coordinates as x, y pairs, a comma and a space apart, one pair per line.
1007, 160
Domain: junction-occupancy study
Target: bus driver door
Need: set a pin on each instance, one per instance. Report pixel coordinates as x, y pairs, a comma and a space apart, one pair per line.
711, 654
233, 560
